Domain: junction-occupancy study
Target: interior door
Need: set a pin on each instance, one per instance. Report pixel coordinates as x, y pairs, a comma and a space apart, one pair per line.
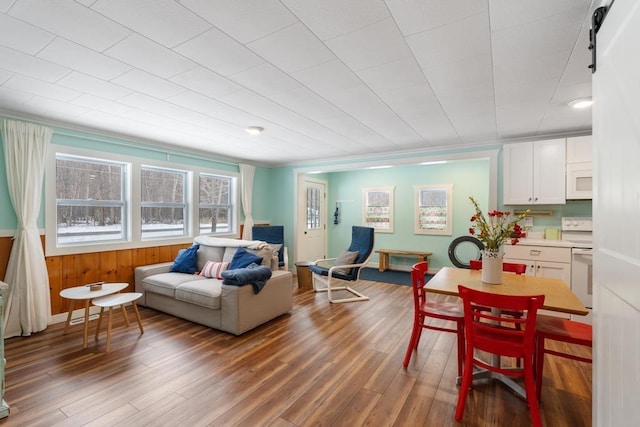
616, 208
312, 219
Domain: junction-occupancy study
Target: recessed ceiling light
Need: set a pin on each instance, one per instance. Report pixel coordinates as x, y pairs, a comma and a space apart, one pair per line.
436, 162
255, 130
581, 103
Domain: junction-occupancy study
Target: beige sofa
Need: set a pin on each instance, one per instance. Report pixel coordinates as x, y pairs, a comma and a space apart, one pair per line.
233, 309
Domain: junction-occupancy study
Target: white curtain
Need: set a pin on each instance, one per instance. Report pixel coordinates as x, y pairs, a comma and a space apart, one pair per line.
28, 305
246, 177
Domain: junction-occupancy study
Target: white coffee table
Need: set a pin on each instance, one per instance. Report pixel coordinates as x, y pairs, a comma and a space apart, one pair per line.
84, 293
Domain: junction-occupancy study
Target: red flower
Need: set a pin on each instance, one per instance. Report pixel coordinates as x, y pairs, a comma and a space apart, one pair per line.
471, 230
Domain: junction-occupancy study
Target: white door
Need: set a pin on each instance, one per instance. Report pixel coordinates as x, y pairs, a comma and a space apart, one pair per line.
312, 219
616, 209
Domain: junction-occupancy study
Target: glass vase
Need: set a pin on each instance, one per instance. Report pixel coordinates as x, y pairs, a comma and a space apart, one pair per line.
492, 266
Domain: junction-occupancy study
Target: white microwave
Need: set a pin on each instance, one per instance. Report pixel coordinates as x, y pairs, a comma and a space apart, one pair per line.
580, 180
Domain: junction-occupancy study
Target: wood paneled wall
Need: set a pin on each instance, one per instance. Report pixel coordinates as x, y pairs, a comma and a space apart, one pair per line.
67, 271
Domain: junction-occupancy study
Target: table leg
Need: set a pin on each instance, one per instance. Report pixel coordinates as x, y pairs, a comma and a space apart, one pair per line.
99, 322
124, 314
66, 325
109, 329
135, 309
383, 263
86, 324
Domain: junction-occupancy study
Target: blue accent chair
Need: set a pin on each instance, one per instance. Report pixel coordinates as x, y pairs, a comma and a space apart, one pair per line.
273, 234
326, 276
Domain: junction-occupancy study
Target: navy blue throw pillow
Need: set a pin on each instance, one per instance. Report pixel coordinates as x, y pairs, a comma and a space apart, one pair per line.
186, 261
242, 259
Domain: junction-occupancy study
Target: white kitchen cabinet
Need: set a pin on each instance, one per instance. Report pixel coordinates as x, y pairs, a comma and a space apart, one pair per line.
579, 168
534, 172
542, 261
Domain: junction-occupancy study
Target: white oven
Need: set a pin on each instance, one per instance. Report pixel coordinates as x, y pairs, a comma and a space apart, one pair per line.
579, 231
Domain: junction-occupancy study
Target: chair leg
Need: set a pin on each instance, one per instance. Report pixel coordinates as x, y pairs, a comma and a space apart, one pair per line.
460, 338
466, 384
413, 341
530, 387
539, 365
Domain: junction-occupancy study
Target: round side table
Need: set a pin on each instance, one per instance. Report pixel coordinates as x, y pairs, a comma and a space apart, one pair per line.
115, 300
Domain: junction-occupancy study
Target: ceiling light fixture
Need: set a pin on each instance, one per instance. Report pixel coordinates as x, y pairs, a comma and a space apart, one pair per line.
436, 162
581, 103
379, 167
254, 130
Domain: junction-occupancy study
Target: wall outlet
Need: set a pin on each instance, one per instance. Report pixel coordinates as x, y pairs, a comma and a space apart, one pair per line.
528, 222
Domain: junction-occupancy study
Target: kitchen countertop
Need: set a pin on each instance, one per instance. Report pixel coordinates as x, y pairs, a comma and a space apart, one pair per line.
552, 243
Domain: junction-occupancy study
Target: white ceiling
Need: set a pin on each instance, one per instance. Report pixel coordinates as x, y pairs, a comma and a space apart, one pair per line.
326, 79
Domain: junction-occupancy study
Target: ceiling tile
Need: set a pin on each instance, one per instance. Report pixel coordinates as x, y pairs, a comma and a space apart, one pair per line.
393, 75
143, 53
206, 82
292, 49
93, 86
219, 52
17, 62
454, 76
371, 46
510, 72
332, 18
507, 13
265, 79
307, 103
147, 103
245, 20
39, 87
205, 105
10, 98
80, 58
329, 77
417, 16
52, 108
163, 21
453, 42
62, 17
144, 82
101, 104
22, 36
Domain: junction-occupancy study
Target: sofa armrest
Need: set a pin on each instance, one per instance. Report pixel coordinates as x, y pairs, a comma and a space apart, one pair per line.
242, 310
145, 271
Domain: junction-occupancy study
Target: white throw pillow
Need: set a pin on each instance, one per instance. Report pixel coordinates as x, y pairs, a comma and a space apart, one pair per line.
345, 258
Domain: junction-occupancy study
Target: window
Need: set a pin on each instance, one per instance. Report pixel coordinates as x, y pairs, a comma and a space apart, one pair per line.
433, 214
163, 202
314, 202
378, 208
216, 210
91, 200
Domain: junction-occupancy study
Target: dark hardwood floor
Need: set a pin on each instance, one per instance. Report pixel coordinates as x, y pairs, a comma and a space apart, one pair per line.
324, 364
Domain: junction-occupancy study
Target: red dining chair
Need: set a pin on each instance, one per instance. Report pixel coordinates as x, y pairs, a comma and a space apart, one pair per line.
563, 330
510, 267
424, 308
500, 335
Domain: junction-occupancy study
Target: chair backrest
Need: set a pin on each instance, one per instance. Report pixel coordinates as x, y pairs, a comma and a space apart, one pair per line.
418, 271
270, 234
510, 267
362, 239
499, 333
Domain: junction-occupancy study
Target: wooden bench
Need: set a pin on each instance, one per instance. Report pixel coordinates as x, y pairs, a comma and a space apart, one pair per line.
385, 253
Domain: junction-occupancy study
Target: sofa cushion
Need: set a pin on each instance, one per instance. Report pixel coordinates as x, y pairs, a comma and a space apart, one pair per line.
166, 283
205, 293
186, 261
266, 253
214, 269
242, 258
209, 253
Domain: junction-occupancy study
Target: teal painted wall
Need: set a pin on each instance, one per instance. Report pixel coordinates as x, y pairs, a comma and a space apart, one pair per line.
469, 178
261, 201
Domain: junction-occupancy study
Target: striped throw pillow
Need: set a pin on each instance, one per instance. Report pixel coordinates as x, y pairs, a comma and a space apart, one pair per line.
214, 269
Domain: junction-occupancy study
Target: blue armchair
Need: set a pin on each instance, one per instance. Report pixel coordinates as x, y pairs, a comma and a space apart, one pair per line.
273, 234
325, 276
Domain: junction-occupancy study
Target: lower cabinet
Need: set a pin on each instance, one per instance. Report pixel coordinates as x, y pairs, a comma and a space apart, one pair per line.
543, 261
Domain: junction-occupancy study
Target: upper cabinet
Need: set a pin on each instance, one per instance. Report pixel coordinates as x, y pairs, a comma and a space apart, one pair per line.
534, 172
579, 168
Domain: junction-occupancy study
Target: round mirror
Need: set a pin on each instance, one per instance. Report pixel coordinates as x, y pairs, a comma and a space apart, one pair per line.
463, 249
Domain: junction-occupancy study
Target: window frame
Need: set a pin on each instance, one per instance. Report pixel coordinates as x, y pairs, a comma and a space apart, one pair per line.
233, 185
134, 224
417, 189
184, 205
365, 198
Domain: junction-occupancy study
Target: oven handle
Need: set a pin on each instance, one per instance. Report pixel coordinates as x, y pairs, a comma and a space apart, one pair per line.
579, 251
